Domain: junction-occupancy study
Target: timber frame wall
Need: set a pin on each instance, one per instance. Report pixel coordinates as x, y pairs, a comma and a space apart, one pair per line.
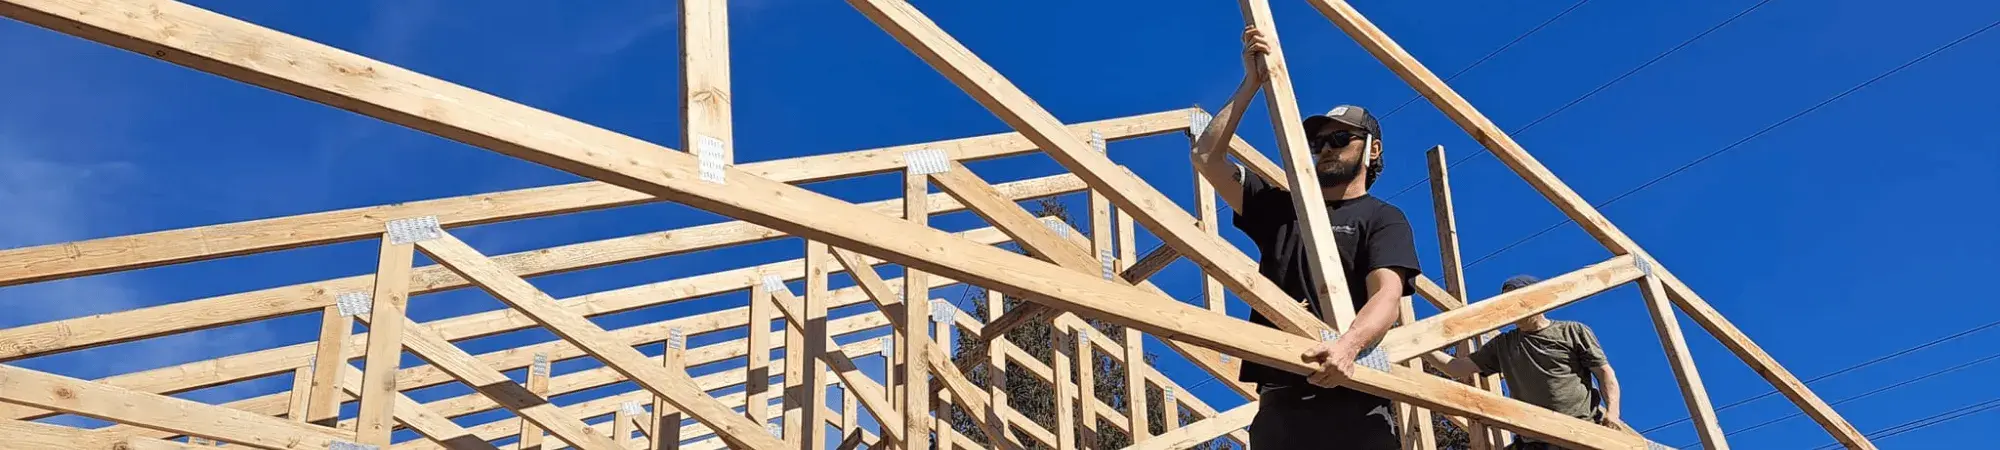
1068, 278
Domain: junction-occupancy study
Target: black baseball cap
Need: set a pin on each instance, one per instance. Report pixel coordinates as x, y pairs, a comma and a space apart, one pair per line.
1350, 115
1517, 282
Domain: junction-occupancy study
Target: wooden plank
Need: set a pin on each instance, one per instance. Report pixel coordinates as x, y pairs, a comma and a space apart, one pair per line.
537, 383
300, 395
1454, 293
96, 256
1203, 431
865, 277
1065, 395
757, 380
622, 422
99, 401
666, 434
792, 394
429, 424
385, 343
1086, 384
495, 124
1151, 208
1447, 328
915, 342
124, 326
974, 399
705, 93
334, 330
1588, 217
813, 384
681, 392
1693, 392
524, 402
1416, 427
25, 435
1308, 199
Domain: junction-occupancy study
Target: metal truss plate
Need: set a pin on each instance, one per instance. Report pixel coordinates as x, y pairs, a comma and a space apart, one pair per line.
413, 230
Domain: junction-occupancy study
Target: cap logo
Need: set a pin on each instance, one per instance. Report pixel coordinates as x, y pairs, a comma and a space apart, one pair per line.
1338, 111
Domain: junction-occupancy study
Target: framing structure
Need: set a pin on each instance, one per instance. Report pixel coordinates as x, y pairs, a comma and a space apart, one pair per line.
1068, 277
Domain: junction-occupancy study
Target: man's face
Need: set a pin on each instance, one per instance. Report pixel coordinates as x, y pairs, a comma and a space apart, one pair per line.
1338, 150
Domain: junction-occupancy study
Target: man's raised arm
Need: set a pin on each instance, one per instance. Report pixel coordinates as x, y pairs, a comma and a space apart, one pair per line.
1208, 156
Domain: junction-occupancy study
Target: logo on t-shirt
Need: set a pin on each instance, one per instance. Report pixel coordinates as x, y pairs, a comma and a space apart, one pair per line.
1343, 229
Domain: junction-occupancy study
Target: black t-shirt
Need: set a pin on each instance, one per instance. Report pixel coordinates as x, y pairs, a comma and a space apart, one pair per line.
1370, 234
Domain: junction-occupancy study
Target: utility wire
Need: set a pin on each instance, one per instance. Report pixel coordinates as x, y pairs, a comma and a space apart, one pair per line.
1877, 360
1926, 422
1599, 88
1862, 395
1745, 139
1491, 54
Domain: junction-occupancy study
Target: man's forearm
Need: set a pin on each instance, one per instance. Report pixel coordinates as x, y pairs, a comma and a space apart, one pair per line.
1373, 321
1210, 158
1612, 401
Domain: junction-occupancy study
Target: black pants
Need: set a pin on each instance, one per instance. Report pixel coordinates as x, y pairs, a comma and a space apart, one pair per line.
1305, 417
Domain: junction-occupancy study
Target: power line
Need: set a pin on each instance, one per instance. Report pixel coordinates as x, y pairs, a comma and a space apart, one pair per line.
1862, 395
1877, 360
1599, 88
1926, 422
1745, 139
1489, 55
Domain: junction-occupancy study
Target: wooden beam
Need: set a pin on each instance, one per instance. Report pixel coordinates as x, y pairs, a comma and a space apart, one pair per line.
757, 379
1447, 328
125, 326
482, 323
469, 116
532, 407
812, 394
96, 256
300, 395
1149, 206
1565, 199
666, 434
334, 329
537, 384
426, 423
1335, 304
25, 435
1063, 399
99, 401
385, 342
1416, 427
973, 399
680, 391
915, 342
622, 421
1453, 296
1693, 392
870, 282
705, 93
1203, 431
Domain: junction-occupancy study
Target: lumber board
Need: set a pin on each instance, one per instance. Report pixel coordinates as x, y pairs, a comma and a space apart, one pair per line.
429, 424
914, 344
1509, 152
705, 92
336, 77
139, 251
385, 343
1445, 329
757, 373
680, 391
1202, 431
25, 435
335, 330
1693, 392
532, 407
125, 326
99, 401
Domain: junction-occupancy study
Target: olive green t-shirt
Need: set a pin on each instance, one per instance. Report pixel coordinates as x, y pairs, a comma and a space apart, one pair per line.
1549, 367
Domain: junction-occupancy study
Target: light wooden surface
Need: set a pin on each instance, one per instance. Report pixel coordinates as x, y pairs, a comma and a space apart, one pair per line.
1416, 427
1453, 295
537, 383
1693, 392
915, 342
1450, 327
665, 431
757, 382
573, 327
532, 407
334, 331
1202, 431
705, 94
84, 398
300, 395
385, 343
425, 422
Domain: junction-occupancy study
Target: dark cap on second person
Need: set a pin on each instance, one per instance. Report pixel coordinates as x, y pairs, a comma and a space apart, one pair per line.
1350, 115
1517, 282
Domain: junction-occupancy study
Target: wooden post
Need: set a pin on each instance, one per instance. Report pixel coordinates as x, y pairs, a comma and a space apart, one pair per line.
996, 368
622, 421
1454, 282
916, 338
793, 393
850, 413
334, 327
301, 394
1204, 200
1692, 391
811, 390
705, 92
538, 384
1086, 385
385, 338
1335, 307
1417, 430
666, 419
757, 375
1065, 390
1135, 354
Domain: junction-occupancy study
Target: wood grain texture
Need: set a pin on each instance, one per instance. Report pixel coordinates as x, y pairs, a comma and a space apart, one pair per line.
1202, 431
95, 400
426, 423
1693, 392
1450, 327
575, 328
524, 402
915, 342
705, 94
385, 343
335, 331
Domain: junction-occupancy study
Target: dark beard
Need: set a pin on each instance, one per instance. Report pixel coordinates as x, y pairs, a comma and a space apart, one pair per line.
1340, 174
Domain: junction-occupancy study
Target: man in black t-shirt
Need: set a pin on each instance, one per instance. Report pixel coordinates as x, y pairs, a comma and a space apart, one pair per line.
1378, 255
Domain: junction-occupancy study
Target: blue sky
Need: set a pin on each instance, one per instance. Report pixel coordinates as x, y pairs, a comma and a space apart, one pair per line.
1831, 240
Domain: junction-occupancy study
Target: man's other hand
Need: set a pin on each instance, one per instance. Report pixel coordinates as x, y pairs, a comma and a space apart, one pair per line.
1336, 363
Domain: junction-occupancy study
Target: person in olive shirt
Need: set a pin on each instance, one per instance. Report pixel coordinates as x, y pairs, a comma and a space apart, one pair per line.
1548, 363
1378, 258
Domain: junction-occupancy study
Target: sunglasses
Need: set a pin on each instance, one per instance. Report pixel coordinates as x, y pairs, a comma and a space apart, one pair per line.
1337, 140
